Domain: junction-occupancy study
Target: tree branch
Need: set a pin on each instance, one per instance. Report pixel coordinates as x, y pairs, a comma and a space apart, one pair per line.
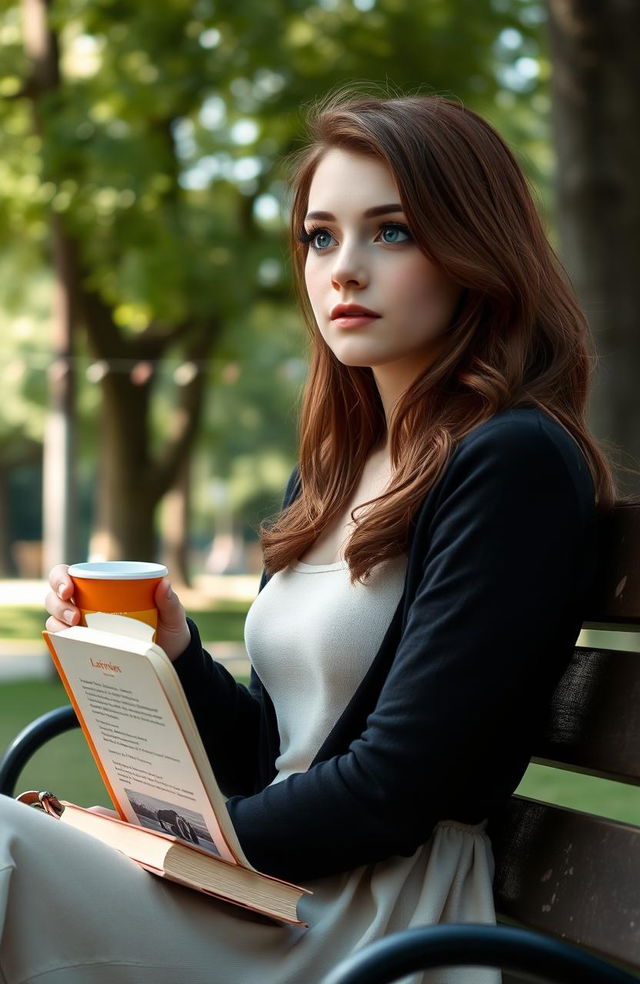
188, 410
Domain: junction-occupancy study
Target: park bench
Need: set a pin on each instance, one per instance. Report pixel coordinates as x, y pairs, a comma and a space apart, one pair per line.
562, 876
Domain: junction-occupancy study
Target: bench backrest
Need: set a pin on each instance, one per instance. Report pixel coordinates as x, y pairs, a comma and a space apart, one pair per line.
572, 874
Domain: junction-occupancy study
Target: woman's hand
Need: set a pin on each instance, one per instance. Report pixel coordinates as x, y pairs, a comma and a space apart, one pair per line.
172, 633
59, 601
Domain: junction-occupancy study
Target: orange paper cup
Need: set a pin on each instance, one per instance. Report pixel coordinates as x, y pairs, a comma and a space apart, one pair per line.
119, 587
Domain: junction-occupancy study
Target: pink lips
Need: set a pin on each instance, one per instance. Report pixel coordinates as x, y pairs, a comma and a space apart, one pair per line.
352, 315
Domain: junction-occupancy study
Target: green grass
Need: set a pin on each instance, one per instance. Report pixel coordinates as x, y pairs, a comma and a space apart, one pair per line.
65, 764
587, 793
21, 621
223, 621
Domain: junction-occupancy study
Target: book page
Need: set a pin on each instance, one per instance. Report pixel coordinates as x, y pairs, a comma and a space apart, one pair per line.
136, 739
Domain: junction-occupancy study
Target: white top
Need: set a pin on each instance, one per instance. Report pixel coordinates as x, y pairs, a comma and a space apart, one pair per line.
312, 635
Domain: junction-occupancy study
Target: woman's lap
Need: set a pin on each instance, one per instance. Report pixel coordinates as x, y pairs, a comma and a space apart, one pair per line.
73, 910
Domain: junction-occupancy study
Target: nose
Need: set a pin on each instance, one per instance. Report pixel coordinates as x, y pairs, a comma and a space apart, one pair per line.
349, 268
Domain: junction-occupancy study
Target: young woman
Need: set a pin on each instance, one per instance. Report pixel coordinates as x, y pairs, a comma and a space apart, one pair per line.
425, 580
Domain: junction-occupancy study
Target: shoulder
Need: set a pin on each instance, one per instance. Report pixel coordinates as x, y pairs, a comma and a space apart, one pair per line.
524, 437
525, 429
520, 455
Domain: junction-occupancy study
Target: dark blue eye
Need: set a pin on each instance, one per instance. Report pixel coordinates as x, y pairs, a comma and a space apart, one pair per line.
322, 239
394, 234
318, 239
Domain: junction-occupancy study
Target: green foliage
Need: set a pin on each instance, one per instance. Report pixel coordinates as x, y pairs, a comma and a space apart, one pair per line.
250, 433
161, 154
170, 116
23, 364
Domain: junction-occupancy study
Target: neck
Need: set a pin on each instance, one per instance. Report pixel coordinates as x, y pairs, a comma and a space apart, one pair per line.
393, 380
391, 386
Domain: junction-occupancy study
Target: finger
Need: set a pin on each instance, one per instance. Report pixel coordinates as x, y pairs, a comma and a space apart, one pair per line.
60, 581
63, 611
55, 625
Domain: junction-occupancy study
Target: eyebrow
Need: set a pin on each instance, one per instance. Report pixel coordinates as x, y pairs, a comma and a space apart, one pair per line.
370, 213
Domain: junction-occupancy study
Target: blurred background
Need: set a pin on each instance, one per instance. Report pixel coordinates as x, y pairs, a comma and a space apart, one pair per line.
151, 354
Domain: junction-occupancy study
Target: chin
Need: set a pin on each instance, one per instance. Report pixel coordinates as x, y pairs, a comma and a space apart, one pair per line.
357, 356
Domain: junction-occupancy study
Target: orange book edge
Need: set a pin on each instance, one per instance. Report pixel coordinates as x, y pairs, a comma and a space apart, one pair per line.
194, 884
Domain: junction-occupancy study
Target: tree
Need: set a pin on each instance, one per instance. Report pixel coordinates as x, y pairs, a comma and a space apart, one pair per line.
22, 383
596, 112
156, 155
133, 479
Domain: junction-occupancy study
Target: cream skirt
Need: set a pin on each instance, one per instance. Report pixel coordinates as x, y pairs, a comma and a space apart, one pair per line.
73, 911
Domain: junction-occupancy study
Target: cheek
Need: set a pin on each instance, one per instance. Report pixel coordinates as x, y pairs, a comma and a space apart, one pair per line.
428, 290
312, 281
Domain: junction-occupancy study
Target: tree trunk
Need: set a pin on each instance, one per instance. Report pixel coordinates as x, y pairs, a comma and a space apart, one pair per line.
126, 501
133, 479
596, 116
59, 500
58, 495
177, 514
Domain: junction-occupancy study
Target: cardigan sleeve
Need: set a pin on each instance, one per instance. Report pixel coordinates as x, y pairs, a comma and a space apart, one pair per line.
227, 715
502, 553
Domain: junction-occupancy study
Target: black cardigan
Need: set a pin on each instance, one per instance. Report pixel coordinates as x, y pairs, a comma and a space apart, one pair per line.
501, 558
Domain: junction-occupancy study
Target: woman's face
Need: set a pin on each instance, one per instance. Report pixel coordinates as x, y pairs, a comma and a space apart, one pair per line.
378, 301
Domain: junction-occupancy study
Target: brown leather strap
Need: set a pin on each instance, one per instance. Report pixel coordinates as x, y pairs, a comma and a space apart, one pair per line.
43, 800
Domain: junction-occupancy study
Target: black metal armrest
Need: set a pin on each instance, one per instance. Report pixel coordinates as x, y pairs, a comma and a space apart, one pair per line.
531, 955
29, 740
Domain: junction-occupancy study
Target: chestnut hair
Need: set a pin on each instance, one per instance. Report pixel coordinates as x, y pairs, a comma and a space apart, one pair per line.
518, 335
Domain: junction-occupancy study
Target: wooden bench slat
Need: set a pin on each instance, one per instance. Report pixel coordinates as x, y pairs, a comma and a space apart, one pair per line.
594, 724
570, 874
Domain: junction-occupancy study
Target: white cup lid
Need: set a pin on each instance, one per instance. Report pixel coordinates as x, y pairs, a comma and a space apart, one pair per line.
110, 570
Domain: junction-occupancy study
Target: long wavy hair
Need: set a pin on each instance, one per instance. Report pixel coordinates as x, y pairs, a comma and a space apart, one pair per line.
518, 335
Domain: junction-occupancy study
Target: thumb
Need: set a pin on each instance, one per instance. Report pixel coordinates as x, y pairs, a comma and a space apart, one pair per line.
173, 632
170, 609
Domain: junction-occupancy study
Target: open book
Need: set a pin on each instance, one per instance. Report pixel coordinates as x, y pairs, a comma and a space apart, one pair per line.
141, 732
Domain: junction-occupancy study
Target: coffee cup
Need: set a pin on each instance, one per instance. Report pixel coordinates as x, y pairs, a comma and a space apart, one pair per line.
118, 587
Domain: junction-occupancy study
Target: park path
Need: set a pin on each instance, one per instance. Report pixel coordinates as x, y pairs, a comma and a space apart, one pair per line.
22, 659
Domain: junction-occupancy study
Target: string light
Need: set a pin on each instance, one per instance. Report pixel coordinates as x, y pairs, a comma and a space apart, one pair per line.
58, 369
141, 373
96, 372
185, 374
231, 373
